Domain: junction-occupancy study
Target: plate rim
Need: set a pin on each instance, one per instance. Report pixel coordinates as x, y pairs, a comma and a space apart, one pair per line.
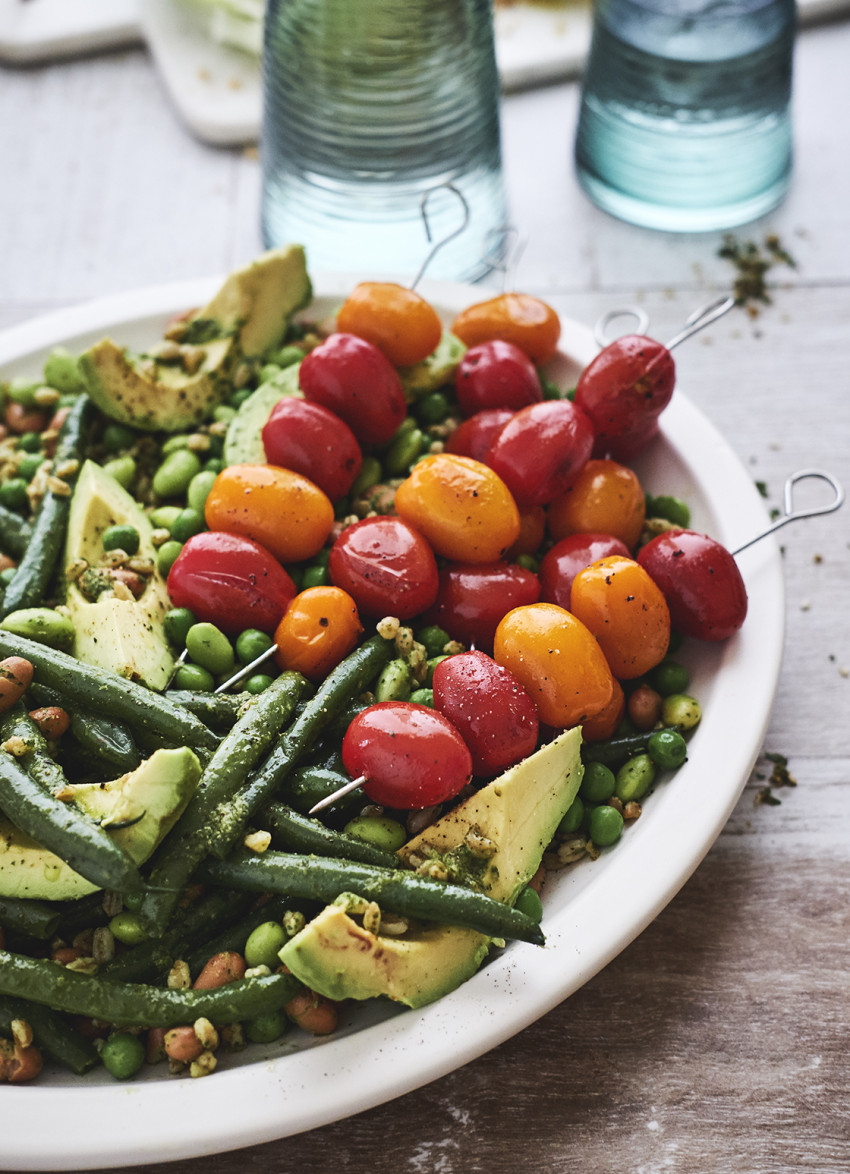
277, 1097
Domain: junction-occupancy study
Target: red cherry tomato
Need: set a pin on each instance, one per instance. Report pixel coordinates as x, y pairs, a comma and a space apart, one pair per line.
701, 582
496, 374
410, 755
313, 441
353, 379
230, 581
474, 436
473, 597
624, 390
386, 566
560, 565
540, 450
490, 709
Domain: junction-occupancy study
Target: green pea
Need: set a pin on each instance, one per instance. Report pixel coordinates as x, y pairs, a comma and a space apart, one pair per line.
572, 821
370, 474
166, 556
667, 749
117, 437
163, 516
252, 643
177, 621
430, 665
213, 465
123, 470
433, 638
199, 489
404, 450
395, 682
195, 678
528, 562
13, 493
263, 944
238, 398
62, 372
30, 442
134, 900
605, 826
433, 407
378, 830
423, 697
598, 783
287, 355
265, 1029
681, 710
123, 1055
187, 523
670, 677
258, 683
175, 444
223, 413
127, 927
208, 647
173, 476
315, 576
121, 537
7, 575
634, 778
529, 903
43, 625
672, 509
30, 465
22, 391
268, 373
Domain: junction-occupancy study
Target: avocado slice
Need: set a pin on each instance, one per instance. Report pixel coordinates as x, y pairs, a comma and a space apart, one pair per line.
123, 635
519, 812
243, 444
248, 315
138, 809
436, 369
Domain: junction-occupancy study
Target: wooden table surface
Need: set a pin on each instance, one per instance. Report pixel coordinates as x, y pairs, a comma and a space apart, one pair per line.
720, 1039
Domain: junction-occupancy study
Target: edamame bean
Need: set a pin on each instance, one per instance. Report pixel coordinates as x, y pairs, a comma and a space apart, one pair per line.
22, 391
634, 778
370, 474
43, 624
287, 355
123, 537
208, 647
378, 830
252, 643
672, 509
433, 407
433, 638
30, 442
166, 556
187, 523
681, 710
572, 821
223, 413
13, 493
177, 622
7, 575
199, 488
195, 678
123, 469
395, 682
62, 372
174, 443
258, 683
404, 450
263, 944
529, 903
430, 665
117, 437
667, 749
598, 783
423, 697
30, 465
123, 1055
163, 516
605, 825
173, 476
127, 927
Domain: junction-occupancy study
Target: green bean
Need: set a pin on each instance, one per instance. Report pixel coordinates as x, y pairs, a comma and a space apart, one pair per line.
307, 785
52, 1033
39, 763
36, 568
350, 677
140, 1004
219, 710
300, 833
615, 751
187, 843
35, 919
107, 740
320, 878
108, 693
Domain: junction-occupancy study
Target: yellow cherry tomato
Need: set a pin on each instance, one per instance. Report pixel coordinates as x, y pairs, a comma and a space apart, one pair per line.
617, 600
528, 323
557, 660
318, 630
282, 510
605, 498
463, 509
393, 318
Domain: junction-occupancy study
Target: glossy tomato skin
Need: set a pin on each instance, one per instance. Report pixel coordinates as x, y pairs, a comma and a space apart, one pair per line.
540, 450
473, 597
230, 581
496, 374
356, 381
605, 497
386, 566
526, 321
394, 318
560, 565
490, 709
473, 437
309, 439
700, 581
623, 391
318, 629
411, 755
617, 600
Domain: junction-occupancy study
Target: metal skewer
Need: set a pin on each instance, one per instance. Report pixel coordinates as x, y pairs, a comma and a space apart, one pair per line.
246, 669
792, 515
701, 317
338, 794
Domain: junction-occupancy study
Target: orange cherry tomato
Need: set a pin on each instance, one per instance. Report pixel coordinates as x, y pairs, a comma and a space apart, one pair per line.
280, 509
557, 660
318, 629
616, 599
393, 318
462, 508
603, 724
604, 498
532, 528
519, 318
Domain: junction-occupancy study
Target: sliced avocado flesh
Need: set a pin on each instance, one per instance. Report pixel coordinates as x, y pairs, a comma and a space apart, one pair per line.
243, 444
138, 809
123, 635
519, 812
436, 369
248, 315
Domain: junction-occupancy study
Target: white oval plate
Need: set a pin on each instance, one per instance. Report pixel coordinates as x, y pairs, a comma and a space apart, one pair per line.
592, 910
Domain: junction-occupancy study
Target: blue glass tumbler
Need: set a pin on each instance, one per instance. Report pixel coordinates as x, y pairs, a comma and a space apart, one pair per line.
369, 104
